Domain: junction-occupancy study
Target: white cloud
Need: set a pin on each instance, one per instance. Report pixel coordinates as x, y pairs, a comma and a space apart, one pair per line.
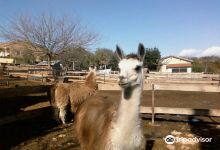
189, 53
211, 51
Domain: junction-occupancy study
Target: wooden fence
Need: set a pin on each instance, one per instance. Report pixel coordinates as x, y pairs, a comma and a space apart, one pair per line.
188, 76
181, 111
109, 83
40, 73
8, 93
23, 90
29, 74
173, 87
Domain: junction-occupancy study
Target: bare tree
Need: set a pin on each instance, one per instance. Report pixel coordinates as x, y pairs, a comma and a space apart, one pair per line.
48, 34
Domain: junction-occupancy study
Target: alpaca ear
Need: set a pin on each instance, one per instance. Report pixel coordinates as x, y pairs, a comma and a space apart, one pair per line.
141, 51
119, 52
90, 69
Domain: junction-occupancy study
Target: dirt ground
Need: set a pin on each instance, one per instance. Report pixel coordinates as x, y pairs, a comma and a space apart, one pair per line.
44, 133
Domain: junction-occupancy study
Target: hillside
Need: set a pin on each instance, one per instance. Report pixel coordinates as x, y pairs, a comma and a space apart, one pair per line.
206, 64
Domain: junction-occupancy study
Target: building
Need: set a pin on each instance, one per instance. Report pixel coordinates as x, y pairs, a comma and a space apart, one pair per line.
174, 64
6, 61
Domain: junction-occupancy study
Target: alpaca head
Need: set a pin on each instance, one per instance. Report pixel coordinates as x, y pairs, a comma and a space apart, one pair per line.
130, 67
92, 71
91, 77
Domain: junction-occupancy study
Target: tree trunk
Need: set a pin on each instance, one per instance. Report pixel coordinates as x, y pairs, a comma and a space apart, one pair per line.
49, 59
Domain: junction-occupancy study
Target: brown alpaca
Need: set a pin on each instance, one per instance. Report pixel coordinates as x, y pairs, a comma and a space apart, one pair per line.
73, 94
107, 124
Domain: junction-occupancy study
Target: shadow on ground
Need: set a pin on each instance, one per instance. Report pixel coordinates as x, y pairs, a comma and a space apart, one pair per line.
17, 132
15, 104
206, 130
185, 126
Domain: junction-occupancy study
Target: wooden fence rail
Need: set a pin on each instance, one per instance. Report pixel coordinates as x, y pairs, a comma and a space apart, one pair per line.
171, 87
170, 110
23, 90
181, 111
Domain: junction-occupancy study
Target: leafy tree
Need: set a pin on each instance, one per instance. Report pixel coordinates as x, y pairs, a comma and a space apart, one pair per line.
104, 56
114, 62
197, 66
152, 58
80, 56
209, 64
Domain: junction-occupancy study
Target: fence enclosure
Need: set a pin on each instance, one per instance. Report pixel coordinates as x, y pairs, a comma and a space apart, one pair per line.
201, 87
153, 82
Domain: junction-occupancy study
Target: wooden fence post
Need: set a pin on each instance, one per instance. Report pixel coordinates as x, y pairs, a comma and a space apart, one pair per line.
42, 77
152, 107
219, 80
7, 73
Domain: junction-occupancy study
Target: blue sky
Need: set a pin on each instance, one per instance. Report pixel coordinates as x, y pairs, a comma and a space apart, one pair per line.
174, 26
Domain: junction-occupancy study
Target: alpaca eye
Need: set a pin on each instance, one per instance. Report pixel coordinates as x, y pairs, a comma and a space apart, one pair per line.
138, 68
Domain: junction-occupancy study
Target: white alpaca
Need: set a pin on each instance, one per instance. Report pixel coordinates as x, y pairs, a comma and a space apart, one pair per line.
106, 124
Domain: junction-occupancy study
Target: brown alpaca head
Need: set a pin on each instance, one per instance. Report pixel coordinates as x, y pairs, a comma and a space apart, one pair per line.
91, 77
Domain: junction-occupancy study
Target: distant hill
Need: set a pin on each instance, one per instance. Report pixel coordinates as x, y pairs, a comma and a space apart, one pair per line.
18, 48
21, 51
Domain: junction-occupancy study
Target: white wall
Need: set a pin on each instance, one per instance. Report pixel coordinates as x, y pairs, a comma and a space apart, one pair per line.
163, 68
4, 54
189, 70
169, 70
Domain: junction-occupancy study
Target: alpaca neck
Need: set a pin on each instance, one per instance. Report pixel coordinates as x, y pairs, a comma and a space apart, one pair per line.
90, 81
128, 111
130, 102
91, 84
127, 124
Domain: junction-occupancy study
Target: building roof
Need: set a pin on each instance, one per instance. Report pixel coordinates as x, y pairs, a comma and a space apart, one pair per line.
177, 57
179, 65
